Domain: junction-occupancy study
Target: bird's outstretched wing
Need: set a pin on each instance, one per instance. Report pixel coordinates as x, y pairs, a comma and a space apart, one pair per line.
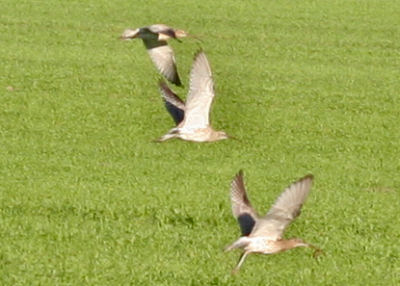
173, 103
201, 94
163, 57
285, 209
241, 206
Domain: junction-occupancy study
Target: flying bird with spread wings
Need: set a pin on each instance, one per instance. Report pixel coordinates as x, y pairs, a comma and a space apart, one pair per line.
193, 117
264, 234
155, 40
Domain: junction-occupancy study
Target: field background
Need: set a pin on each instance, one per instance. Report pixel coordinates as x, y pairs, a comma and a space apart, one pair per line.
88, 199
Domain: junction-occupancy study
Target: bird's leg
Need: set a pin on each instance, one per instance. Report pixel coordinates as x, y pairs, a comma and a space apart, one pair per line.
169, 135
240, 243
241, 260
162, 139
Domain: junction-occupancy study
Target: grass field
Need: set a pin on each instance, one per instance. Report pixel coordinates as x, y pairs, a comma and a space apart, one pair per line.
86, 197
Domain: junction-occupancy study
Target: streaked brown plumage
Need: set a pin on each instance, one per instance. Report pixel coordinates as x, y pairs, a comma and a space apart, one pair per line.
155, 40
265, 234
192, 117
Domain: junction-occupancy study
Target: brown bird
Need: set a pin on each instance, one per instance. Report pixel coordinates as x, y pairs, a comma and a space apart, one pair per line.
155, 40
192, 117
264, 234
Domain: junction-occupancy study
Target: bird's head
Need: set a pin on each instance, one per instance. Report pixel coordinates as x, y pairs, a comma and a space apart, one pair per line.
221, 135
180, 33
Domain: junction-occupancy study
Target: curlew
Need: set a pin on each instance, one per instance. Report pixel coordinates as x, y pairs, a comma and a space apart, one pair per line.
193, 117
155, 40
264, 234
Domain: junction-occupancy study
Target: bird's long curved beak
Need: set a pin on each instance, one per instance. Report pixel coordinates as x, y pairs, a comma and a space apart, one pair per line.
194, 37
317, 251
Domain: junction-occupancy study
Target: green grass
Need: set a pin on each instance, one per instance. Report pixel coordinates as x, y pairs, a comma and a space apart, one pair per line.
88, 199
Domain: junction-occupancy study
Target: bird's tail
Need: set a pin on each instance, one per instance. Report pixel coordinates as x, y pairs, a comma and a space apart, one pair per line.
240, 243
129, 34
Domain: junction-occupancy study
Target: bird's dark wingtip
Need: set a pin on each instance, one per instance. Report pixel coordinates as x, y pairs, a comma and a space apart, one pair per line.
198, 52
162, 83
308, 176
177, 82
239, 174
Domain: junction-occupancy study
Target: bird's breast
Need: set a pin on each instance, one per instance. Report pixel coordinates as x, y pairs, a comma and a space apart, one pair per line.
197, 135
261, 245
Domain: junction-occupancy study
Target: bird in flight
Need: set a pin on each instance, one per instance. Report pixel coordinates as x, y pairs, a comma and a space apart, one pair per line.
264, 234
155, 40
193, 117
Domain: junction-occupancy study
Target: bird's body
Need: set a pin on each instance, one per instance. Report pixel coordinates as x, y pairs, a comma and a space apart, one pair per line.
264, 244
155, 40
265, 234
195, 135
156, 32
192, 117
260, 244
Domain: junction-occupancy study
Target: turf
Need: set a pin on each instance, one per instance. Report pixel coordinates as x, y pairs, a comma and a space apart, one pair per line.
306, 86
